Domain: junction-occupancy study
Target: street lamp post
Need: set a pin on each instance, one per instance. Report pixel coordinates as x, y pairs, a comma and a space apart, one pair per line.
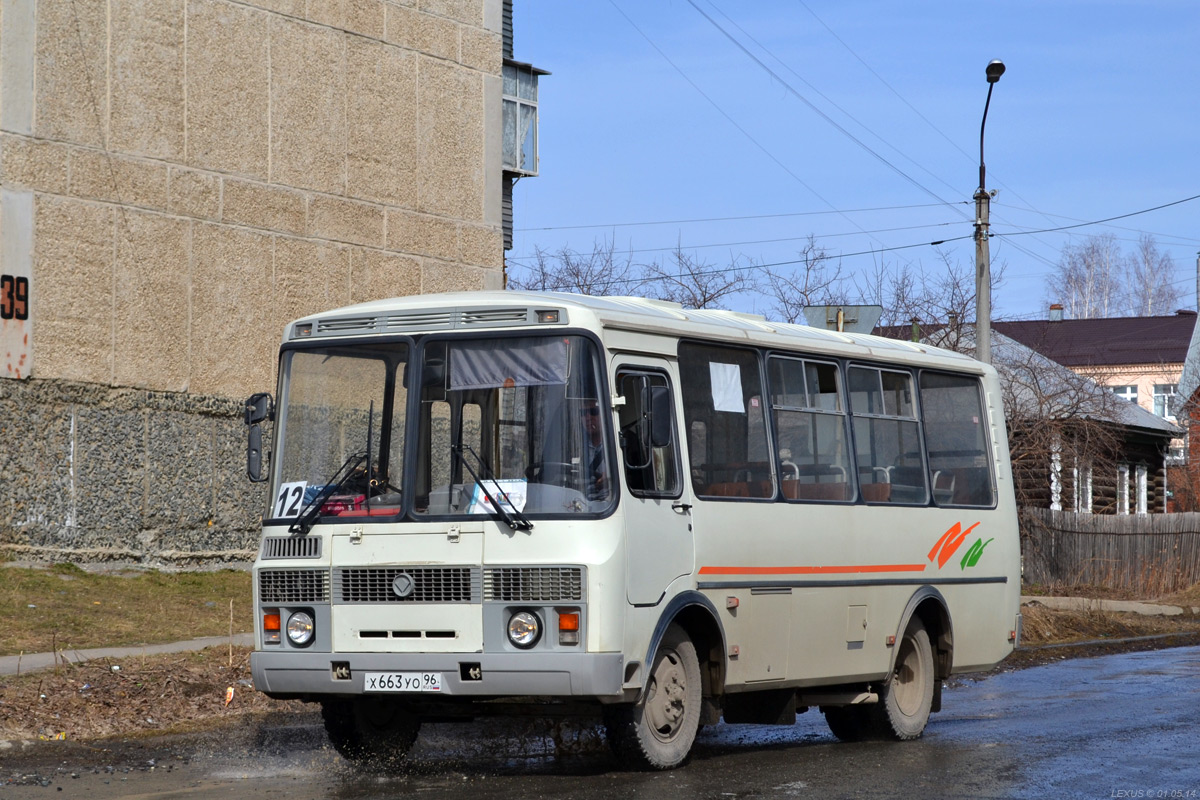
983, 267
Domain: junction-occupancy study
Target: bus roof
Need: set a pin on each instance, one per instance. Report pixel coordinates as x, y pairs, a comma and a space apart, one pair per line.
488, 310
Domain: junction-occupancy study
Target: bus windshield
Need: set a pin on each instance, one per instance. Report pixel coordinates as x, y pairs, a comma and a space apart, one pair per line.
341, 431
512, 420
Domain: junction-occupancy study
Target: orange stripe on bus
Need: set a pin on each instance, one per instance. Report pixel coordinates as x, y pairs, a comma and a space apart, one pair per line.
847, 570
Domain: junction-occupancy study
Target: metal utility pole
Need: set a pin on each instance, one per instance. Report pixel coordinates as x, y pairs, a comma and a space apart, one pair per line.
983, 266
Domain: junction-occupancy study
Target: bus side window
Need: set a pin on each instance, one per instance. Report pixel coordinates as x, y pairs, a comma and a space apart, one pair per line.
654, 473
887, 436
959, 458
723, 394
810, 428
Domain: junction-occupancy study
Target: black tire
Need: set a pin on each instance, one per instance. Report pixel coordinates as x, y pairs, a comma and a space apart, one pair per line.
370, 728
907, 695
657, 732
851, 723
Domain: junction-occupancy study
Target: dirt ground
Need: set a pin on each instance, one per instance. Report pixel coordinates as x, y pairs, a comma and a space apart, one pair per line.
166, 694
132, 697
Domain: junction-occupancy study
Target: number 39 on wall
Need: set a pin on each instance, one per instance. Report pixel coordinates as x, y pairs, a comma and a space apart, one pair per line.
14, 297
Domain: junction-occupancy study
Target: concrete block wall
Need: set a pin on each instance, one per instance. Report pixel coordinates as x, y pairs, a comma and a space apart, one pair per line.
182, 177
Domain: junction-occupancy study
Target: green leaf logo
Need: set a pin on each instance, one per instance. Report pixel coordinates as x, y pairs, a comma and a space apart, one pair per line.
972, 556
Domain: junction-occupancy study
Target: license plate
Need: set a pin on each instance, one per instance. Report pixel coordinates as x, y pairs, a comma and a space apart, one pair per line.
402, 681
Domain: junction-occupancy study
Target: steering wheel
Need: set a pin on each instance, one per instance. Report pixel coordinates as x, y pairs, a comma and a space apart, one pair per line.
559, 473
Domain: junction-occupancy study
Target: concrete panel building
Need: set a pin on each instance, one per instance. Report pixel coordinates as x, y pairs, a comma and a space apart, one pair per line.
178, 178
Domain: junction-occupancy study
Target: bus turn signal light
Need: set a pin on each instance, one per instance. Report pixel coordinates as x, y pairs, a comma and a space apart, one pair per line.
568, 627
271, 627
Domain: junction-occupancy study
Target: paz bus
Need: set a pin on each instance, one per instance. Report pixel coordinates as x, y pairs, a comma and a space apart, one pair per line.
500, 502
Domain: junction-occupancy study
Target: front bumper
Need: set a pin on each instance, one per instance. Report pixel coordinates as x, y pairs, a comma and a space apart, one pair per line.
502, 674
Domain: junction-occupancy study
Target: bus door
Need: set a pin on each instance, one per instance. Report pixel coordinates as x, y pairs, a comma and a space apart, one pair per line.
657, 503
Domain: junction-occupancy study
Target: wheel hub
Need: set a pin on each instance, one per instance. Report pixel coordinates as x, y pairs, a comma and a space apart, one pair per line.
665, 707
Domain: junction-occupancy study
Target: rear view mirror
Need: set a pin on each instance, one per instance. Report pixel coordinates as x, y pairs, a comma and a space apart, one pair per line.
258, 408
254, 469
660, 416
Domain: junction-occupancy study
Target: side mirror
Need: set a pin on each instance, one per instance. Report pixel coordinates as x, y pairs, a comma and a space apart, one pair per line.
254, 466
661, 429
258, 408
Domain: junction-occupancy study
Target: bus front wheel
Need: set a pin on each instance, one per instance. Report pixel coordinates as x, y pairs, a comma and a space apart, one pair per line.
369, 729
657, 732
907, 695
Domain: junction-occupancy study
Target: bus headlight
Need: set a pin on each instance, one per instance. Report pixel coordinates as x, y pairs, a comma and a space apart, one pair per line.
300, 628
524, 629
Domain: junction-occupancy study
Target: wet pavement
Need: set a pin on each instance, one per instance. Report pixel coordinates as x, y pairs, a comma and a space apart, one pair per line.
1115, 726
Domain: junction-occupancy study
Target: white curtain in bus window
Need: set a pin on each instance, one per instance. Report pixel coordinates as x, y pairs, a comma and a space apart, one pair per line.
507, 363
726, 387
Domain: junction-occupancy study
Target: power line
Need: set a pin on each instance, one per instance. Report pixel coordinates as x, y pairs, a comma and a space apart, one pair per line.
841, 212
779, 240
722, 111
830, 100
792, 90
1101, 221
749, 267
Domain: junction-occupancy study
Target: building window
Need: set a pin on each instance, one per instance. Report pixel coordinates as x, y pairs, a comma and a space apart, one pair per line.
520, 117
1127, 392
1164, 400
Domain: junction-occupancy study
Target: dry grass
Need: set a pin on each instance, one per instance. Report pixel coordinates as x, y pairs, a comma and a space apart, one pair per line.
1041, 626
63, 607
153, 695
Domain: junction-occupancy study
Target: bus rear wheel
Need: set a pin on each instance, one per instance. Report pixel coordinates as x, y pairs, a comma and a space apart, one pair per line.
370, 728
657, 732
907, 696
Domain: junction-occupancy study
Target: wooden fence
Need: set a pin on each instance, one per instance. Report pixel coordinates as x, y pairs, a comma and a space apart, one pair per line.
1151, 555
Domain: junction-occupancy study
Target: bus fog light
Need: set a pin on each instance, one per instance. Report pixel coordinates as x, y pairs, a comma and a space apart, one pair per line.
523, 629
300, 628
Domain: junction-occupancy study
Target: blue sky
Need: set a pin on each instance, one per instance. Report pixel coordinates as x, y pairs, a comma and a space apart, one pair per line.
1095, 117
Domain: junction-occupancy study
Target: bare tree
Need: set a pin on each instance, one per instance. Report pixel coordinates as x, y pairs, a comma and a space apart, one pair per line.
815, 281
1087, 279
1149, 287
694, 283
941, 301
1063, 427
1097, 279
603, 271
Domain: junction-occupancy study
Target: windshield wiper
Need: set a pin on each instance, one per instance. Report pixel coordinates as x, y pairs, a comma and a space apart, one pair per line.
517, 521
312, 510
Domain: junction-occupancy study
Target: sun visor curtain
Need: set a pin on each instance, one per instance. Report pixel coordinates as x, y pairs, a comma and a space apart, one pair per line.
508, 363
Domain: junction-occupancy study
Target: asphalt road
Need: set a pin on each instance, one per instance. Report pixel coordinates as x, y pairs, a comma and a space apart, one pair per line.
1120, 726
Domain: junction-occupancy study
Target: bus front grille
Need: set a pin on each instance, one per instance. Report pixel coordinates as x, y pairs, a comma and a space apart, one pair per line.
407, 585
291, 547
291, 586
533, 584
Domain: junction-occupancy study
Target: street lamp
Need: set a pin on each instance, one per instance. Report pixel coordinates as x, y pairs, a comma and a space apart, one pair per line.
983, 268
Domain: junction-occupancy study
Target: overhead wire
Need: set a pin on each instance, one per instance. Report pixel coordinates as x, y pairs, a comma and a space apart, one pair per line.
831, 101
735, 219
795, 93
723, 113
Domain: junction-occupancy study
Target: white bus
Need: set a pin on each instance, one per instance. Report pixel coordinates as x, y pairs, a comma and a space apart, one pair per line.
488, 503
